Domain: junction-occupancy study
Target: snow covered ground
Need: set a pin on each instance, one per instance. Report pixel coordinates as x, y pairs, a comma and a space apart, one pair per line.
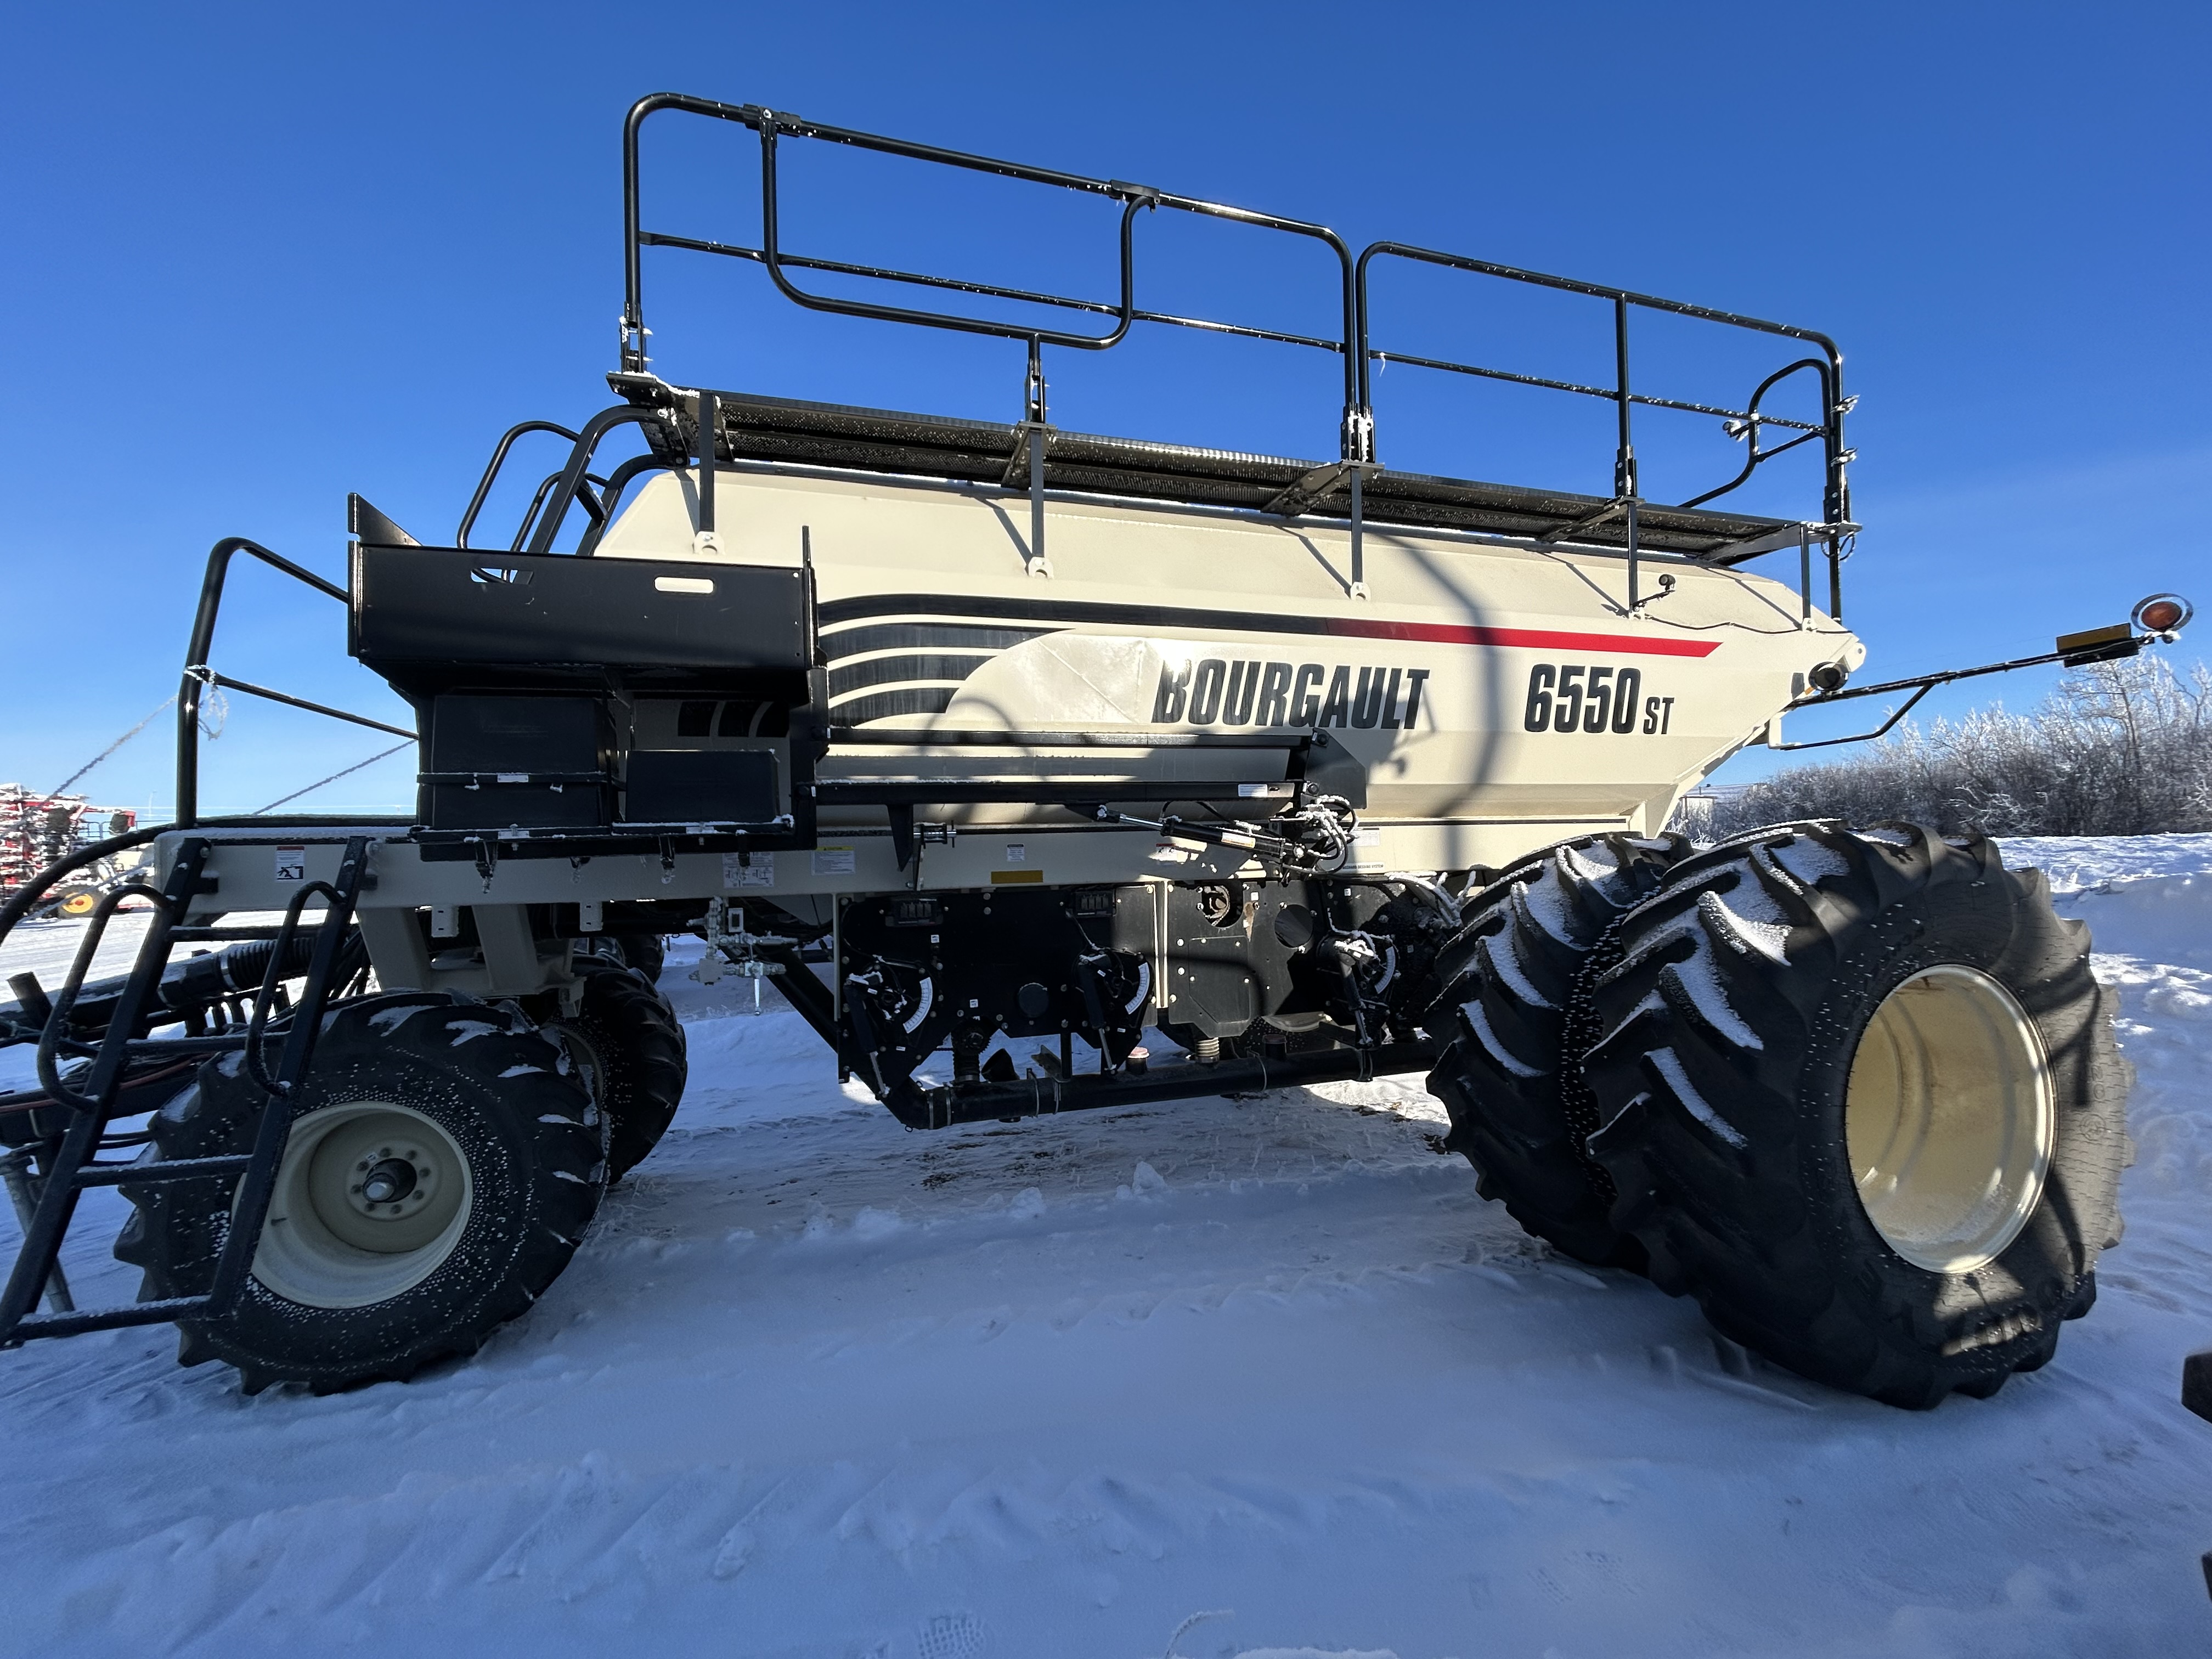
816, 1386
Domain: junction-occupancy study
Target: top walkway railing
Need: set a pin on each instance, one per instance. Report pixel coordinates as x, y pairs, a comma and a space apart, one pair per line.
1748, 425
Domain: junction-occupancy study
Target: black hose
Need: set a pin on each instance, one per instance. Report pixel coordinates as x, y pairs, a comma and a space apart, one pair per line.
33, 891
194, 985
198, 981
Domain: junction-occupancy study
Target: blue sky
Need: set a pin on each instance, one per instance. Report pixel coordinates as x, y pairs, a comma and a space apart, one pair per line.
258, 257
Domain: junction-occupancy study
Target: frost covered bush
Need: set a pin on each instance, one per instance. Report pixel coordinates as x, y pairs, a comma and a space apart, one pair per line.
2118, 749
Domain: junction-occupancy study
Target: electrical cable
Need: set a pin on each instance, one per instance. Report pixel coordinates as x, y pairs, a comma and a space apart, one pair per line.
64, 784
335, 776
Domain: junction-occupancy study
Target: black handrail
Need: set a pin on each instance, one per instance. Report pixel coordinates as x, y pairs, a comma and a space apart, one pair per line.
592, 508
988, 290
771, 258
492, 470
1355, 347
1748, 424
1829, 366
618, 481
1596, 291
1213, 326
770, 125
198, 674
210, 677
571, 484
56, 1028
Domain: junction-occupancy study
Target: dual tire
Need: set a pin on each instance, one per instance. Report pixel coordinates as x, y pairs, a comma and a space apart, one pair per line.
1854, 1092
1515, 1011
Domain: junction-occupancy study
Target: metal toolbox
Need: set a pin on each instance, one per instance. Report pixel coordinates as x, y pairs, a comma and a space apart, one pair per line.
430, 617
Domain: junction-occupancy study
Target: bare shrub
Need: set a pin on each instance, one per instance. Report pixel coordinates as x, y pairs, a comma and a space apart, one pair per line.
2118, 749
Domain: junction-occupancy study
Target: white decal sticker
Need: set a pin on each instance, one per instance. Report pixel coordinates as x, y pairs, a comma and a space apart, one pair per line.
1017, 853
737, 873
291, 864
833, 861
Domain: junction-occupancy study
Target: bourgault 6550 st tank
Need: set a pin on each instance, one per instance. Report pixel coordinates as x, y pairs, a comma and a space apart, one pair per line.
1026, 737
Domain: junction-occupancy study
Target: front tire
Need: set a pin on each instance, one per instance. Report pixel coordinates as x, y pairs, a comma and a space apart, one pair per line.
444, 1162
1860, 1097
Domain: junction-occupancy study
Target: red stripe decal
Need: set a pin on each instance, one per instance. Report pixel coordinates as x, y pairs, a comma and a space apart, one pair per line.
1531, 639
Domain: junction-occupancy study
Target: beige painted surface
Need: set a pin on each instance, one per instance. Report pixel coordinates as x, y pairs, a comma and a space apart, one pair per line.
926, 548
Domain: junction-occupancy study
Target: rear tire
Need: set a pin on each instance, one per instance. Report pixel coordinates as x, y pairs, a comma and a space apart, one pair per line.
648, 953
1861, 1100
1515, 1001
638, 1055
446, 1159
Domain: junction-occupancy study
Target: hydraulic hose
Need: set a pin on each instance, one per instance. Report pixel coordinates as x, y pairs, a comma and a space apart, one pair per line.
193, 985
198, 981
26, 897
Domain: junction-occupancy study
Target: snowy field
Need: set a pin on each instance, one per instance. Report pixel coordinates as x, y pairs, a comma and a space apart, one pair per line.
1256, 1376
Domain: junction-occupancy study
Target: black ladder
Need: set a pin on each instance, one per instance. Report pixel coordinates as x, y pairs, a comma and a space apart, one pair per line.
71, 1165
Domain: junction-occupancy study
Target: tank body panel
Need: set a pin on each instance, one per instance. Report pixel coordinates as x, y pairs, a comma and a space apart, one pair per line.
1479, 687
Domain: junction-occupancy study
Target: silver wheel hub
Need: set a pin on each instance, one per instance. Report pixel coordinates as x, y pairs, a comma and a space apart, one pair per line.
371, 1198
1948, 1118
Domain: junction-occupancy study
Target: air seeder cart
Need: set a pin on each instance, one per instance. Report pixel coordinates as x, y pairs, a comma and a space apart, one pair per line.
36, 830
1050, 741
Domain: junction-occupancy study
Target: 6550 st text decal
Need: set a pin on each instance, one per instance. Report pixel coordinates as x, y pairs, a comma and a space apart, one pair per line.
1577, 696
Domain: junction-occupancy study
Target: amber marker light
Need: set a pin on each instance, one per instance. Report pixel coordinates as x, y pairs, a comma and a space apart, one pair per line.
2163, 613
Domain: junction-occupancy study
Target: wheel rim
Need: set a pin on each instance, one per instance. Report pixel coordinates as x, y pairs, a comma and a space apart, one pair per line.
1948, 1119
370, 1199
79, 904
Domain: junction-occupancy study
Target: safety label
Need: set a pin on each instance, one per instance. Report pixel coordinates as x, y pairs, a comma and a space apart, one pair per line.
748, 870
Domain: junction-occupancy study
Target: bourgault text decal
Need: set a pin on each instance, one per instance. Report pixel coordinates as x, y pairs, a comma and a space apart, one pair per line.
1310, 695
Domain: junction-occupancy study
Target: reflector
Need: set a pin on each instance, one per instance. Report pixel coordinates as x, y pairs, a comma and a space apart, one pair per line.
2162, 613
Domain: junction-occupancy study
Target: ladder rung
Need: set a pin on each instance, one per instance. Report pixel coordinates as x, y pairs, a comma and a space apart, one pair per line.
180, 1169
108, 1319
37, 1258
